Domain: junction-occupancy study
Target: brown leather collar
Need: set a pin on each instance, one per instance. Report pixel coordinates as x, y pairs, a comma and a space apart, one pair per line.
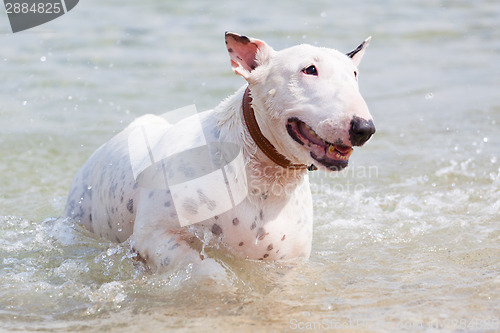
259, 138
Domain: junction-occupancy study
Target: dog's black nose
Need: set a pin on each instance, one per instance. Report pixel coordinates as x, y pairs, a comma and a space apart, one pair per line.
361, 131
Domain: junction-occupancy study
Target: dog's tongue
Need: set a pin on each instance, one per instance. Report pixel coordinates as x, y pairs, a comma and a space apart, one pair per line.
343, 149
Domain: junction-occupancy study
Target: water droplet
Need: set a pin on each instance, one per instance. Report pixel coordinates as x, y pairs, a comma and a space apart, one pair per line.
485, 140
89, 187
429, 96
43, 58
25, 102
70, 98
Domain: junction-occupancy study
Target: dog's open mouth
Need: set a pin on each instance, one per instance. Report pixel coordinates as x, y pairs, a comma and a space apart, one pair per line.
333, 156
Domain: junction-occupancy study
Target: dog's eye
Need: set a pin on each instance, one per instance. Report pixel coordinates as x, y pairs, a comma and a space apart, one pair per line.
311, 70
355, 74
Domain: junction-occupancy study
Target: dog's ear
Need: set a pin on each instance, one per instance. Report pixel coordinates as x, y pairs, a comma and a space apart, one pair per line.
357, 54
246, 53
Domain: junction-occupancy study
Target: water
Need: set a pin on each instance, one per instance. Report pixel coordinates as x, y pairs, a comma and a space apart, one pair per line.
408, 238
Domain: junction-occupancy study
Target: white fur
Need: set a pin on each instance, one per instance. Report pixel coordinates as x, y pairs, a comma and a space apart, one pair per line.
275, 219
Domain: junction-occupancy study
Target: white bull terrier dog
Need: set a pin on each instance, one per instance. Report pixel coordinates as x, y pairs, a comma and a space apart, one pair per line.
236, 177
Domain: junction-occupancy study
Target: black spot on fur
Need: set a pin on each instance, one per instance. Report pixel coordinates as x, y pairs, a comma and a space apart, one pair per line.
236, 221
90, 217
80, 213
253, 226
166, 261
167, 204
261, 234
130, 206
261, 215
266, 255
112, 190
173, 247
216, 229
283, 238
241, 244
270, 247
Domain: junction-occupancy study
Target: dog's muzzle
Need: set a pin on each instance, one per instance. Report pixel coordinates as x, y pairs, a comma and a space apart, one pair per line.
333, 156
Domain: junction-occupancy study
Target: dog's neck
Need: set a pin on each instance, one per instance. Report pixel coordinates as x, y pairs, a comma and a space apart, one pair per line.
265, 177
260, 140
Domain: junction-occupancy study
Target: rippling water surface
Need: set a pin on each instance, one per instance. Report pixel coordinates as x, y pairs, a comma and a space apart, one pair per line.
407, 238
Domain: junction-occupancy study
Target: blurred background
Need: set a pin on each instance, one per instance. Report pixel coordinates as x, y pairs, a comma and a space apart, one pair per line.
409, 234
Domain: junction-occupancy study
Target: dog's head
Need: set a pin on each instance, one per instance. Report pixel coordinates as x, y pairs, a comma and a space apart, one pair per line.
306, 99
